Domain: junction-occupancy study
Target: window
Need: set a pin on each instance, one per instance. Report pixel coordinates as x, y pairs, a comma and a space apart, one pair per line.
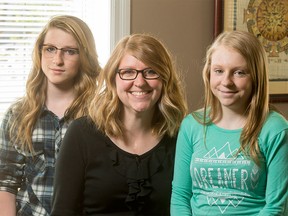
22, 20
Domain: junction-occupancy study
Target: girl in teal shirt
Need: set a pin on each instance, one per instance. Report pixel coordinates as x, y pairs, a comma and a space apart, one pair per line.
232, 155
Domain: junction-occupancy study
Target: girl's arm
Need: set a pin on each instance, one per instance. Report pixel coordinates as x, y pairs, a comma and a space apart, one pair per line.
277, 175
7, 203
182, 183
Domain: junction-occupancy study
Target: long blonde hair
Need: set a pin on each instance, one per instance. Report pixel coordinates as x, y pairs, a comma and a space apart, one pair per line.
171, 108
27, 110
258, 109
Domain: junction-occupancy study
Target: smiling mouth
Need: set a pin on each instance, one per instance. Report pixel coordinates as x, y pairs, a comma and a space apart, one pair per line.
228, 92
140, 93
58, 70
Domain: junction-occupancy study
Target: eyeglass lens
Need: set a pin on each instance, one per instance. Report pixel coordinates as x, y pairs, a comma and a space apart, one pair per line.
131, 74
50, 51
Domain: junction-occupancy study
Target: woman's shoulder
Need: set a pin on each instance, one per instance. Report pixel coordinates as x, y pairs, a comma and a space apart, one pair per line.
275, 121
83, 123
274, 125
194, 118
273, 133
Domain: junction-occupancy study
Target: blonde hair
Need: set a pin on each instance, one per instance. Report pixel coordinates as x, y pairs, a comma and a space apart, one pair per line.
171, 108
27, 110
258, 109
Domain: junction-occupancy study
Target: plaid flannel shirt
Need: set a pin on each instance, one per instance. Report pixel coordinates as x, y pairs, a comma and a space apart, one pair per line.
29, 177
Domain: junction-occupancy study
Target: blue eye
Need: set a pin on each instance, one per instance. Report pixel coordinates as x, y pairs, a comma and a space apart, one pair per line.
51, 49
218, 71
69, 51
149, 72
240, 73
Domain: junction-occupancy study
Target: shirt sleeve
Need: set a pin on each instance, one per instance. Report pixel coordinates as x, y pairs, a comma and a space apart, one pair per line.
182, 183
276, 154
11, 161
69, 174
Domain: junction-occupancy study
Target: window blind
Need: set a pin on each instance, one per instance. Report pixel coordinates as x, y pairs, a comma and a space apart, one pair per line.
20, 23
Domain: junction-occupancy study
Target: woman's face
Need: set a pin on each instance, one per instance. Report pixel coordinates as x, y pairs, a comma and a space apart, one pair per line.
230, 80
138, 95
60, 58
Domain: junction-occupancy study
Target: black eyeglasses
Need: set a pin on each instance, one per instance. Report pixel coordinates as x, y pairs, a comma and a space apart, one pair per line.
50, 51
131, 74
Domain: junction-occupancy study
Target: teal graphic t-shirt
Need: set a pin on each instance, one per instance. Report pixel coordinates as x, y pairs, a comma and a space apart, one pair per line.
210, 178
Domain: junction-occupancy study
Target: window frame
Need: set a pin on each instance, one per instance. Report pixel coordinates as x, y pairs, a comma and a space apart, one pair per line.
120, 21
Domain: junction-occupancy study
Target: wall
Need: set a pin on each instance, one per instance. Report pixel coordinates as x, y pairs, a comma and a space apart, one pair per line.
186, 27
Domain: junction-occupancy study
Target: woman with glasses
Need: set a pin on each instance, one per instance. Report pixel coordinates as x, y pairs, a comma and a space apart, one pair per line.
119, 161
58, 90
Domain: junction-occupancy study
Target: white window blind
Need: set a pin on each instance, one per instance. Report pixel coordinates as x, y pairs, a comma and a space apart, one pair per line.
20, 23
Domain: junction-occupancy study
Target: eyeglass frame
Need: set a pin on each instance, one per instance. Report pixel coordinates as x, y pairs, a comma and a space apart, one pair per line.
63, 49
137, 72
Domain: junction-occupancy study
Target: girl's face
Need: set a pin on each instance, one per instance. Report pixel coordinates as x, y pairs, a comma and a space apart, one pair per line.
140, 94
60, 58
230, 80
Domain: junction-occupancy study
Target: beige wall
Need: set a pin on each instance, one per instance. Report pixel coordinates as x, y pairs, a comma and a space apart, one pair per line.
186, 27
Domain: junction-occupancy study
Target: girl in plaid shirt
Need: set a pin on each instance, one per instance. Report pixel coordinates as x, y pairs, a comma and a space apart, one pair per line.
61, 82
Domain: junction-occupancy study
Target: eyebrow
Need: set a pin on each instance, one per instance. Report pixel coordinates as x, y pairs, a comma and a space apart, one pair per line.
67, 46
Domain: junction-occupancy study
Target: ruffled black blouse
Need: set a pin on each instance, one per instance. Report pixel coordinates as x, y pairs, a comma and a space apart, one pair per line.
96, 177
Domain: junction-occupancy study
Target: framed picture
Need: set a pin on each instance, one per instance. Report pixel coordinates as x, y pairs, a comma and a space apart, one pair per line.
268, 21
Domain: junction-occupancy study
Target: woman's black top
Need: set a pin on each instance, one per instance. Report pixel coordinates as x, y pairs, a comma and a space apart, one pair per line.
95, 177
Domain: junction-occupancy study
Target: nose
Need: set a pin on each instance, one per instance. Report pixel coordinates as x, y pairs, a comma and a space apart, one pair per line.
227, 80
140, 80
58, 58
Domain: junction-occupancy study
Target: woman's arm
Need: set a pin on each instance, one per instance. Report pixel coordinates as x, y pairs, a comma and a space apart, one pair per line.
182, 183
277, 176
7, 204
11, 169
